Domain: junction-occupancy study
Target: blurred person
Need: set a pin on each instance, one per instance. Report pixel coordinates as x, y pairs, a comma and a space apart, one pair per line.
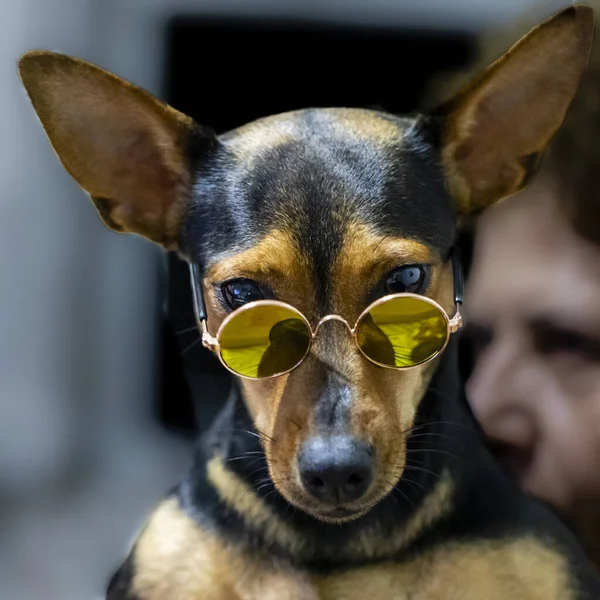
534, 316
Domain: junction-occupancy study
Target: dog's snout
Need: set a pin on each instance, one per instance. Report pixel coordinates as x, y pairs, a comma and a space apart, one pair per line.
337, 469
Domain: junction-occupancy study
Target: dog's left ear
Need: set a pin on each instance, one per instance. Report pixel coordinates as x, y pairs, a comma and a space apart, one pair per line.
495, 131
128, 150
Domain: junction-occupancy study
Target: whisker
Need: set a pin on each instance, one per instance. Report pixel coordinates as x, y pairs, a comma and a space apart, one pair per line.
423, 469
262, 481
249, 465
258, 470
194, 343
188, 330
434, 434
391, 497
247, 455
412, 482
268, 437
413, 489
260, 499
428, 450
259, 434
263, 486
420, 426
397, 489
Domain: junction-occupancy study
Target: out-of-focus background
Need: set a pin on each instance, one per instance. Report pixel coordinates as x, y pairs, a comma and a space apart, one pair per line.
101, 386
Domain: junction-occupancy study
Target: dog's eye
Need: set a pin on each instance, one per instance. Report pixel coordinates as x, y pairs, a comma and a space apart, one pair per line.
410, 279
238, 292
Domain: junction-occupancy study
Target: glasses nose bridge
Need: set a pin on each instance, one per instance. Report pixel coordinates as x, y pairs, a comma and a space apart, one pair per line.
329, 318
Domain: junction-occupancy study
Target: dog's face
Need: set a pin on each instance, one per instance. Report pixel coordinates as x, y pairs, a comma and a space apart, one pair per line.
325, 209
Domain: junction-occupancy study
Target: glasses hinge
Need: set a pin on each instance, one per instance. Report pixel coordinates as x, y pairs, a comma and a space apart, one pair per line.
208, 341
456, 321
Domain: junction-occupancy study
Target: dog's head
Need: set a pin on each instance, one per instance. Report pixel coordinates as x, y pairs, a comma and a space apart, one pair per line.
324, 209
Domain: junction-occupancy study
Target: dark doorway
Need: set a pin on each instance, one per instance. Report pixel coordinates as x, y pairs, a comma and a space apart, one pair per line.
225, 73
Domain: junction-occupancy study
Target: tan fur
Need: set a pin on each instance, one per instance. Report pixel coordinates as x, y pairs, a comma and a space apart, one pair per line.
127, 150
275, 259
366, 124
387, 400
251, 140
372, 543
521, 569
255, 512
122, 145
486, 157
177, 559
378, 544
366, 257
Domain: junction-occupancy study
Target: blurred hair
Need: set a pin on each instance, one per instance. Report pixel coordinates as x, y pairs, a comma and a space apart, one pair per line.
573, 157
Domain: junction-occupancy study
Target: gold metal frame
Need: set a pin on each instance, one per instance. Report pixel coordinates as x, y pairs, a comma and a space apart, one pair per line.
212, 342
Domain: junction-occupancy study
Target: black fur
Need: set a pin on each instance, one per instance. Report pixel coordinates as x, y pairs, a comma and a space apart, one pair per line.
488, 505
398, 189
314, 187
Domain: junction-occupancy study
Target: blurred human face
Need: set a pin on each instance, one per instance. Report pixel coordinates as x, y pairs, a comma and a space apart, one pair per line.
534, 313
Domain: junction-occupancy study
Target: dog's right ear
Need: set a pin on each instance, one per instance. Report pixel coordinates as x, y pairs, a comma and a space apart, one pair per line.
496, 130
128, 150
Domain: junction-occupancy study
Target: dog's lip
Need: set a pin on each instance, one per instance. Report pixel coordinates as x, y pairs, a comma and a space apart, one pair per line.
340, 512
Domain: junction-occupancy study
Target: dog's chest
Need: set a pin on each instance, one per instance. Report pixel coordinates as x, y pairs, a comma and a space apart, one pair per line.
519, 570
177, 559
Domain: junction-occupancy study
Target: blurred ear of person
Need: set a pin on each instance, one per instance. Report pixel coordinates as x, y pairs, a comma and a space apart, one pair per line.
572, 160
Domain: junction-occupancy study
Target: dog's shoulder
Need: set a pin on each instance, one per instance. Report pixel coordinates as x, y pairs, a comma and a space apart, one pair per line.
520, 569
177, 555
186, 556
172, 552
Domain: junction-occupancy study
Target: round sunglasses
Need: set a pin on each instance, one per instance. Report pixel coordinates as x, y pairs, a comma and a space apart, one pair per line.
269, 338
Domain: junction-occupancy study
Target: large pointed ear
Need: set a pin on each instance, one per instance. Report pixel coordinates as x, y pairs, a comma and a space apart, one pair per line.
495, 130
128, 150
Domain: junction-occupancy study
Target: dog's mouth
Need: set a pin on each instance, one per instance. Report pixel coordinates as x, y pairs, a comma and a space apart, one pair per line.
342, 513
338, 515
342, 491
327, 512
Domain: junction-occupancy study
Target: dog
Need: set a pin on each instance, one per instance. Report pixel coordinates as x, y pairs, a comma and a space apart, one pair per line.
333, 472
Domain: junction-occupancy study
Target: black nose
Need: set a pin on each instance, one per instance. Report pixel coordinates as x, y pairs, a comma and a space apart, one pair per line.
336, 469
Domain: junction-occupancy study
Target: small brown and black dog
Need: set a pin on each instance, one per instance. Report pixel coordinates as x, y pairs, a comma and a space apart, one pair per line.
367, 482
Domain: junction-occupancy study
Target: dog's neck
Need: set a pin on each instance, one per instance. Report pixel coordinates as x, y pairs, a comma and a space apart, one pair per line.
230, 483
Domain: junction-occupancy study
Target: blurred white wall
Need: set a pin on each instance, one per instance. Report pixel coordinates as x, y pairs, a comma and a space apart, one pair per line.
78, 318
80, 459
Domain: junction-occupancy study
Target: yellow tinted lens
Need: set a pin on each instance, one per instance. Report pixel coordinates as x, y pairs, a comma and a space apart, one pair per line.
402, 332
264, 340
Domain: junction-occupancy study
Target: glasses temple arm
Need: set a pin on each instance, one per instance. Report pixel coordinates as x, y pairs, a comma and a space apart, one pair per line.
199, 307
197, 292
457, 275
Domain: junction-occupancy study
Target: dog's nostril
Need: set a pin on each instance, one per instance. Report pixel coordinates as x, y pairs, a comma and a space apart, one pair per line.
315, 483
336, 470
355, 480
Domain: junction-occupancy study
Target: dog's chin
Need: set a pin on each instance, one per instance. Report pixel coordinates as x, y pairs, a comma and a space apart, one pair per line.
336, 515
343, 513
